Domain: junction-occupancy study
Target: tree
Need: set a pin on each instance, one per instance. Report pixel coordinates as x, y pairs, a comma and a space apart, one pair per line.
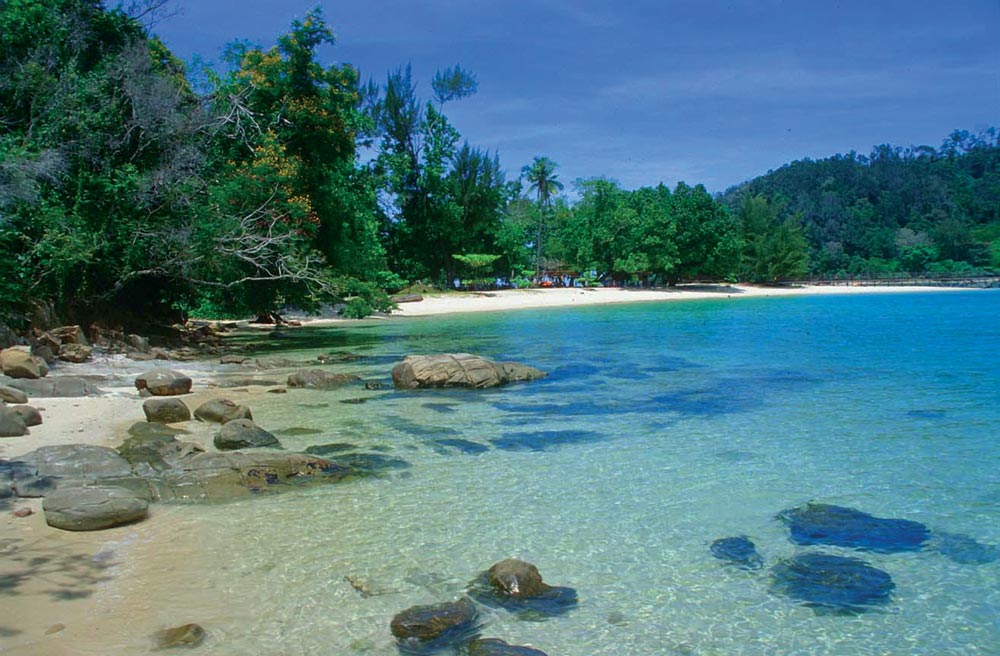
542, 179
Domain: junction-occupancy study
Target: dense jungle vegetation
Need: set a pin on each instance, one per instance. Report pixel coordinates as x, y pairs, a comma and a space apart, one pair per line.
136, 188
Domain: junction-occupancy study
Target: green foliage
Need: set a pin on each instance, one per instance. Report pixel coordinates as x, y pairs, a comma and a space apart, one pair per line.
772, 250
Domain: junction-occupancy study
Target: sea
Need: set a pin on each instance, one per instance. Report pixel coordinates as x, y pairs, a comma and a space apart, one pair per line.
660, 428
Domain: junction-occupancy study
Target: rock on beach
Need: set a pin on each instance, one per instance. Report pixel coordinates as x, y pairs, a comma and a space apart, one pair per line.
163, 382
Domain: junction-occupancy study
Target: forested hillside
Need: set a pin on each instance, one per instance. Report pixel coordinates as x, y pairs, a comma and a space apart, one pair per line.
135, 189
910, 209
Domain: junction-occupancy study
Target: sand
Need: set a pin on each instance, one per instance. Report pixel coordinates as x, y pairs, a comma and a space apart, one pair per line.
70, 593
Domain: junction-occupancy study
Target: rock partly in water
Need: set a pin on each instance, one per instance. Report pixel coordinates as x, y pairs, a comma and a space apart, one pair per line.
221, 411
166, 411
459, 370
495, 647
30, 414
12, 424
92, 508
435, 626
53, 386
963, 549
739, 550
233, 359
12, 395
319, 379
517, 586
82, 463
18, 362
163, 382
820, 523
188, 635
832, 584
75, 353
244, 434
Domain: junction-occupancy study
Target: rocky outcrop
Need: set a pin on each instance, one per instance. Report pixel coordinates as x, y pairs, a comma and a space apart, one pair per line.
438, 624
53, 386
163, 382
821, 523
318, 379
459, 370
243, 434
80, 463
92, 508
12, 395
221, 411
517, 586
75, 353
18, 362
166, 411
70, 335
12, 424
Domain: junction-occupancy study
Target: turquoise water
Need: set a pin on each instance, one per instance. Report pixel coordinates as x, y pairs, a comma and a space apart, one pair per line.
661, 428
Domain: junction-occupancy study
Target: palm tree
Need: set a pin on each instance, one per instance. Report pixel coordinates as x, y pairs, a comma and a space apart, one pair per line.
541, 174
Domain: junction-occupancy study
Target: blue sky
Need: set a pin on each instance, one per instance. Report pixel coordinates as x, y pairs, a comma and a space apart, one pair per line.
705, 91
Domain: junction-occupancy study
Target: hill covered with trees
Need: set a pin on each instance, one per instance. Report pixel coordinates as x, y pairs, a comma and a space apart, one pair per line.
134, 188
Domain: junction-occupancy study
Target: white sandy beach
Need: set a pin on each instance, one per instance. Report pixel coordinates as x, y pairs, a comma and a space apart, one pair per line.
37, 622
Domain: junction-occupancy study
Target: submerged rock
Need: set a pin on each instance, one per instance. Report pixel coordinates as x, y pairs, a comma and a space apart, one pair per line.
188, 635
163, 382
435, 626
829, 583
92, 508
739, 551
495, 647
963, 549
243, 434
330, 449
517, 586
165, 411
820, 523
459, 370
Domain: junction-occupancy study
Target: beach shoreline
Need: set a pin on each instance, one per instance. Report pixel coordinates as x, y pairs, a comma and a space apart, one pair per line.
37, 617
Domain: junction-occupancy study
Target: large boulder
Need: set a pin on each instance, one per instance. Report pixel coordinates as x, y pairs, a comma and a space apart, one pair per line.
12, 395
70, 335
459, 370
821, 523
163, 382
12, 424
75, 353
18, 362
30, 415
84, 463
221, 411
243, 434
92, 508
832, 584
166, 411
517, 586
438, 624
53, 386
318, 379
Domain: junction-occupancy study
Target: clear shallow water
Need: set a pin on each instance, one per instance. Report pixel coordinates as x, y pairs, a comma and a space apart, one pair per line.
661, 428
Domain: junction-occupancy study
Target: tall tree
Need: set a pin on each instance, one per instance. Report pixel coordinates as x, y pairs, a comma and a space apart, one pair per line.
543, 180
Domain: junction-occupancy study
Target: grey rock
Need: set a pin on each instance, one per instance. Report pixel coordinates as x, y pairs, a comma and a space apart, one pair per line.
92, 508
233, 359
319, 379
243, 434
12, 424
76, 462
163, 382
12, 395
495, 647
221, 411
75, 353
54, 387
459, 370
166, 411
30, 415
